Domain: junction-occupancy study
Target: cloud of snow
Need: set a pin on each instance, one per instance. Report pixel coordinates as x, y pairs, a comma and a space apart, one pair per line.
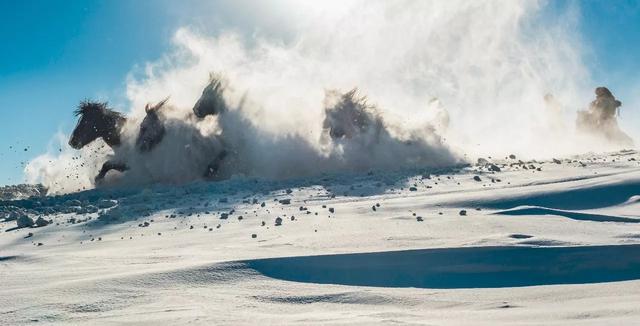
464, 77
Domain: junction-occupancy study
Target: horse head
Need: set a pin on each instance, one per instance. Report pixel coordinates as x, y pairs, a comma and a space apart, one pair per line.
211, 101
95, 121
348, 114
152, 128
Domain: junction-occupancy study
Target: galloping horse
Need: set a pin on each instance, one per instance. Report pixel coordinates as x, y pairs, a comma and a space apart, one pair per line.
96, 120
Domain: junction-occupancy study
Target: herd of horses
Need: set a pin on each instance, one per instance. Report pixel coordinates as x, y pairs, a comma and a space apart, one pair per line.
348, 117
349, 122
98, 121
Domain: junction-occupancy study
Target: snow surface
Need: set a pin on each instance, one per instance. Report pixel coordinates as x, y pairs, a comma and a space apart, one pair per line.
555, 243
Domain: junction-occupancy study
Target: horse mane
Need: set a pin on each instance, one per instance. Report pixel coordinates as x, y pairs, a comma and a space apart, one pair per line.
86, 106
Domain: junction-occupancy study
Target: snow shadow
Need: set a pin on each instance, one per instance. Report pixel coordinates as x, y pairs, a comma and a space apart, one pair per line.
110, 205
598, 196
455, 268
531, 210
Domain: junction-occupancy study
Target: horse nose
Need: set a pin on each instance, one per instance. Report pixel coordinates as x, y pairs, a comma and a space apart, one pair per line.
73, 143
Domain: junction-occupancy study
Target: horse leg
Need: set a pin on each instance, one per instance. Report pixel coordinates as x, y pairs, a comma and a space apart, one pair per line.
213, 167
108, 166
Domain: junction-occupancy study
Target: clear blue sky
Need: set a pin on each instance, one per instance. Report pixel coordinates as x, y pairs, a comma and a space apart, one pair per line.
55, 53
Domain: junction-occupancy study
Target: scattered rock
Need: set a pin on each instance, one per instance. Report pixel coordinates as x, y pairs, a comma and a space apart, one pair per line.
224, 216
463, 213
477, 178
419, 219
413, 189
24, 222
40, 222
513, 157
253, 236
494, 168
285, 201
331, 210
278, 221
105, 203
556, 161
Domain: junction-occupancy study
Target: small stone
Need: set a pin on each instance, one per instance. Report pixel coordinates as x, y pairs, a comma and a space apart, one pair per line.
278, 221
494, 168
419, 219
24, 221
40, 222
463, 213
331, 210
253, 236
413, 189
224, 216
477, 178
285, 201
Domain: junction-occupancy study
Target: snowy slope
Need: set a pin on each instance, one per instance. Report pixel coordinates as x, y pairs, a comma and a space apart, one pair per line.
555, 243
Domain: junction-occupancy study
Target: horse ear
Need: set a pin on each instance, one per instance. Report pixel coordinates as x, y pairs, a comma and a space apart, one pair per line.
161, 103
155, 108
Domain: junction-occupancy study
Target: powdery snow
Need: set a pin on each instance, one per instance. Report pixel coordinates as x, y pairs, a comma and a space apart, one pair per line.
555, 243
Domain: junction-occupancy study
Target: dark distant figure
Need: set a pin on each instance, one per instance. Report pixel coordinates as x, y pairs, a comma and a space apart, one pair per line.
600, 119
605, 106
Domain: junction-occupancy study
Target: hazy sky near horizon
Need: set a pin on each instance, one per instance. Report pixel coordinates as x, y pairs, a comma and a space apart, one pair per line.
56, 53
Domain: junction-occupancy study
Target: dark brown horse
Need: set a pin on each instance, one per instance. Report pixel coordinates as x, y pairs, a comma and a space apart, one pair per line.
95, 121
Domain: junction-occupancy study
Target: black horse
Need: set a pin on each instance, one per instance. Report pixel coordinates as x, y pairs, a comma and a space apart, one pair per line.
96, 120
152, 128
211, 102
349, 115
